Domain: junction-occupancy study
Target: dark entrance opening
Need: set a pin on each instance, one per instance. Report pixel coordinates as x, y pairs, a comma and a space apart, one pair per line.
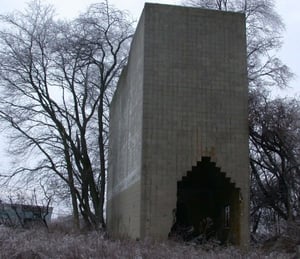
207, 205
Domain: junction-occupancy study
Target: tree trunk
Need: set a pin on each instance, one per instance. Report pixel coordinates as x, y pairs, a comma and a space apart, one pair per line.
102, 162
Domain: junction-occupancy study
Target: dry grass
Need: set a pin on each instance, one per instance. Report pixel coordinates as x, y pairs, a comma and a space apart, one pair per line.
59, 243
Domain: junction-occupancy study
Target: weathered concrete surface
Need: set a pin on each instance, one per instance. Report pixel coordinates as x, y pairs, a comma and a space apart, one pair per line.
125, 154
182, 97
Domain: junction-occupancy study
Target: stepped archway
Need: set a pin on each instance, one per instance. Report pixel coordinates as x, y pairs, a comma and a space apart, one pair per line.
207, 205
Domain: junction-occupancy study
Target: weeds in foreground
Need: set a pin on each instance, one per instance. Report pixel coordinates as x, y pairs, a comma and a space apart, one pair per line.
58, 243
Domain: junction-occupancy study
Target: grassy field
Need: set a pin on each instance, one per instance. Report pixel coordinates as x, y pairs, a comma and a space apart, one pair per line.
59, 243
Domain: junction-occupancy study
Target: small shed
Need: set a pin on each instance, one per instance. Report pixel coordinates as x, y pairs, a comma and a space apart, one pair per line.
24, 215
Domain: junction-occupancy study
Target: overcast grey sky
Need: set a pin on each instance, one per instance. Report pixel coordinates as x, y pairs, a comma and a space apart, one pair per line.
288, 9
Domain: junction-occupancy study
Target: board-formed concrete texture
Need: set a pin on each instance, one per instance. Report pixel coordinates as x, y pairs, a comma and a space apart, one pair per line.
178, 133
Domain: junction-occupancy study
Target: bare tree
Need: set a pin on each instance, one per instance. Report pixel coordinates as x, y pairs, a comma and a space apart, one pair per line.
210, 4
57, 79
274, 158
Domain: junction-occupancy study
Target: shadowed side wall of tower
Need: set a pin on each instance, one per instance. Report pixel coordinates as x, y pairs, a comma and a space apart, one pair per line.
187, 79
125, 153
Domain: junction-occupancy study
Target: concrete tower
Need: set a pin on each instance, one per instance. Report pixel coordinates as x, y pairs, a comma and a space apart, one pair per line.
179, 132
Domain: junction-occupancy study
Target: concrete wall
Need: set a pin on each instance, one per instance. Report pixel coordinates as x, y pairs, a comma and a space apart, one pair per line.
186, 86
125, 153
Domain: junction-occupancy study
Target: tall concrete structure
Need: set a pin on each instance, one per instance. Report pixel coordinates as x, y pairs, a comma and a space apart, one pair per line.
178, 133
